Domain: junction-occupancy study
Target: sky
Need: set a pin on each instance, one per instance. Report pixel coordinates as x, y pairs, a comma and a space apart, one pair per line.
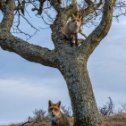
26, 86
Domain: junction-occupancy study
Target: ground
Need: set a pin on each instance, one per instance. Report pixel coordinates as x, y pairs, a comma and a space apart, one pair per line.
113, 120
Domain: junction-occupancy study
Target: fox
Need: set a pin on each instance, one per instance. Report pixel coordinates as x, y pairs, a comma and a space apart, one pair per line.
56, 117
72, 28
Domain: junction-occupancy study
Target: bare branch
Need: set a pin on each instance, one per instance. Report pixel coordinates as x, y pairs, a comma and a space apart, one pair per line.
91, 8
108, 108
89, 2
29, 51
120, 8
40, 8
56, 4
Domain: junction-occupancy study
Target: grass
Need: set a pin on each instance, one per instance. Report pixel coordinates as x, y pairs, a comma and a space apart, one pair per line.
116, 119
113, 120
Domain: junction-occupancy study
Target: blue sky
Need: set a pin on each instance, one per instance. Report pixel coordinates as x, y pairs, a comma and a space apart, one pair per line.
25, 86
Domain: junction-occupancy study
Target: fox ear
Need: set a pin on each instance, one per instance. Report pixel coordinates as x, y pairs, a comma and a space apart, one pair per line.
59, 103
50, 103
79, 17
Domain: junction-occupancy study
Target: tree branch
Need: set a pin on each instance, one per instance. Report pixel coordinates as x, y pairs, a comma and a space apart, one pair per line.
29, 51
91, 8
56, 4
8, 9
102, 29
89, 2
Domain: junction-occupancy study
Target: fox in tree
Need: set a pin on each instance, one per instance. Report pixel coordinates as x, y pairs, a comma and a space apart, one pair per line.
72, 28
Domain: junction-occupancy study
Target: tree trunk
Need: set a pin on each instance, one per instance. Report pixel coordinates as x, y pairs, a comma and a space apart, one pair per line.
83, 101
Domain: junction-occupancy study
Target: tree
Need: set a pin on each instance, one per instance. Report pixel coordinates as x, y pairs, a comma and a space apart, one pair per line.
70, 61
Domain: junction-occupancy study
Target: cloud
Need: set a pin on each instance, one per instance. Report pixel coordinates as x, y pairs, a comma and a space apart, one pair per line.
20, 96
13, 65
102, 95
107, 66
28, 88
121, 21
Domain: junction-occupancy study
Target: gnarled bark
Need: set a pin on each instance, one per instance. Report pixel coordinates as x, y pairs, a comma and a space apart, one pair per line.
14, 44
33, 53
80, 91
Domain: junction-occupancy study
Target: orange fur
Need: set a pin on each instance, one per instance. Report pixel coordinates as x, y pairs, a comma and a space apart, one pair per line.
72, 28
57, 117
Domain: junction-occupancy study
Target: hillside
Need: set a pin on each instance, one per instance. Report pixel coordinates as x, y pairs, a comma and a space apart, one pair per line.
117, 119
114, 120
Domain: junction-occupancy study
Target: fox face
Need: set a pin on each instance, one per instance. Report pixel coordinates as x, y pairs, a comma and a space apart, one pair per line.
54, 110
75, 24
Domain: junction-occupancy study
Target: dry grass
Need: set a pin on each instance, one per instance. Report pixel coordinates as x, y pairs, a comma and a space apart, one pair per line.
114, 120
117, 119
38, 123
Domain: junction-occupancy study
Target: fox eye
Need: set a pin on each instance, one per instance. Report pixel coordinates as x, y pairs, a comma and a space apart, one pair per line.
51, 109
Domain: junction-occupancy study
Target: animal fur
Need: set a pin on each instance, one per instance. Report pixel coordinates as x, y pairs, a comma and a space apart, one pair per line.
59, 1
72, 28
57, 117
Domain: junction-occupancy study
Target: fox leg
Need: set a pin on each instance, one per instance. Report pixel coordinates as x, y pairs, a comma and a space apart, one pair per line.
72, 42
76, 39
